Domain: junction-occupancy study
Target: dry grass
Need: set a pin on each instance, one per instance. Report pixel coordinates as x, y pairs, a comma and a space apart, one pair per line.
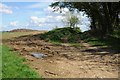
9, 35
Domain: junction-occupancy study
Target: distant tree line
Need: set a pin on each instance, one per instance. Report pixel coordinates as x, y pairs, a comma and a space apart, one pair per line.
104, 16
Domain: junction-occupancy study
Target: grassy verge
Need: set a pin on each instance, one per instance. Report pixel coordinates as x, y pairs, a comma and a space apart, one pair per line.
13, 67
110, 41
0, 62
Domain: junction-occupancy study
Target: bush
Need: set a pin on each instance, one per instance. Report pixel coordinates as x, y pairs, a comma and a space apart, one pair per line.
60, 34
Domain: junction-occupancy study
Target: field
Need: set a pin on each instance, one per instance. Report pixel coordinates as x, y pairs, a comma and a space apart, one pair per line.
12, 62
9, 35
62, 60
0, 62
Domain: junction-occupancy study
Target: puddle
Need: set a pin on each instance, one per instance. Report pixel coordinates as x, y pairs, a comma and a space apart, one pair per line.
38, 55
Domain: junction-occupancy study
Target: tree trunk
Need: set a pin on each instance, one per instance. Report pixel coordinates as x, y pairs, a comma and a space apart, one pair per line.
107, 18
93, 25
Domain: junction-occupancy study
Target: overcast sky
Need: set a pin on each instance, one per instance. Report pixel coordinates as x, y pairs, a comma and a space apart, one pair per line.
34, 15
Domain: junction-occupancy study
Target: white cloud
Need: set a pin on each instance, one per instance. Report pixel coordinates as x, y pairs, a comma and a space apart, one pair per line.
44, 21
35, 19
5, 9
52, 18
1, 28
83, 27
56, 10
14, 23
59, 18
49, 9
65, 10
119, 16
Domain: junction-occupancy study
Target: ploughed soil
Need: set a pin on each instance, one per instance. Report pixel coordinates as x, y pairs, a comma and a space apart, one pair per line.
65, 60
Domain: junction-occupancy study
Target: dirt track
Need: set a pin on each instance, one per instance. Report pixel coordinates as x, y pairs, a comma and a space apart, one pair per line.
65, 60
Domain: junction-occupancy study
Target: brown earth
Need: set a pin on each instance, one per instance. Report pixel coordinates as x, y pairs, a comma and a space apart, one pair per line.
65, 60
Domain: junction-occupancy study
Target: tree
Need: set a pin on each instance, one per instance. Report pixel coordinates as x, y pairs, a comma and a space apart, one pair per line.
103, 15
71, 20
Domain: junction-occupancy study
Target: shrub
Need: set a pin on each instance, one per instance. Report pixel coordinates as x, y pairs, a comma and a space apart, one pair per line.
60, 34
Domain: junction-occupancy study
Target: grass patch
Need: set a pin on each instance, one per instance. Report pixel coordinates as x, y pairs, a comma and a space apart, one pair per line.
77, 45
96, 41
111, 41
0, 62
65, 35
13, 67
55, 42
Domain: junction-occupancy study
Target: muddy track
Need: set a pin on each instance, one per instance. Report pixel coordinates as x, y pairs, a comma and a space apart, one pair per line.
65, 60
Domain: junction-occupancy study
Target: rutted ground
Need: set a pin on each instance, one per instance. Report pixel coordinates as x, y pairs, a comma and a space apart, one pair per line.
65, 60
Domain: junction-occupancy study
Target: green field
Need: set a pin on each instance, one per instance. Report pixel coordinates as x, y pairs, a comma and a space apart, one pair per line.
13, 67
13, 64
0, 62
